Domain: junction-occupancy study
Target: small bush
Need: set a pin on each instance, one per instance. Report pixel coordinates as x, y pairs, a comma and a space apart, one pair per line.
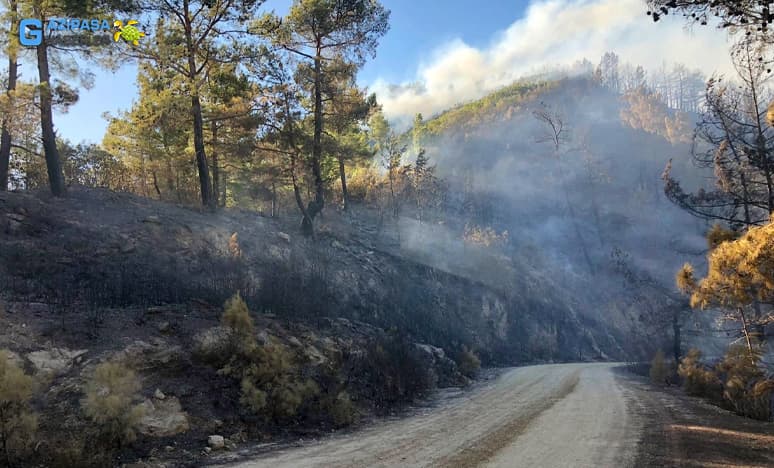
236, 316
659, 370
109, 402
698, 380
745, 388
468, 363
394, 372
342, 411
18, 422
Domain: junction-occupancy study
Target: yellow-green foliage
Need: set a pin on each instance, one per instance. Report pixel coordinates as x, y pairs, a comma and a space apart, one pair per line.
236, 316
342, 410
740, 272
468, 362
718, 234
233, 246
658, 369
109, 402
270, 380
486, 237
745, 387
18, 422
686, 282
697, 380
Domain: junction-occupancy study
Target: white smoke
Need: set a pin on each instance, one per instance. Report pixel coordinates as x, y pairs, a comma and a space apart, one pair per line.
551, 33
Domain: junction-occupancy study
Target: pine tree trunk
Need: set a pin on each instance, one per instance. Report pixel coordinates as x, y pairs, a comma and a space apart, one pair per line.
215, 164
318, 204
53, 162
196, 113
13, 71
343, 176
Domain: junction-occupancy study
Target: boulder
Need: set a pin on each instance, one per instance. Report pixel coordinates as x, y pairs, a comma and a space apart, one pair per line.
163, 417
142, 355
55, 360
213, 343
216, 442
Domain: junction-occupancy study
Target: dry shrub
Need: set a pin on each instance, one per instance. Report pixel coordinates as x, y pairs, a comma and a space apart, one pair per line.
18, 423
484, 236
746, 388
697, 379
468, 363
109, 402
233, 246
659, 370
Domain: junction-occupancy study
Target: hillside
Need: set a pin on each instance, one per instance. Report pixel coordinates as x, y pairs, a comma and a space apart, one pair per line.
102, 275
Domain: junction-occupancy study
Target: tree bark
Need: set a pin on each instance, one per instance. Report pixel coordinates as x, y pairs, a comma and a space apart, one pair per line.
343, 176
48, 135
13, 73
316, 206
196, 113
215, 165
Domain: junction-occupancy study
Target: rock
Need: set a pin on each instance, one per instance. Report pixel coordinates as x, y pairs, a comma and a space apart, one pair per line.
19, 218
165, 327
129, 247
216, 442
159, 395
294, 342
207, 450
169, 448
229, 444
54, 361
284, 236
142, 355
153, 219
212, 343
163, 417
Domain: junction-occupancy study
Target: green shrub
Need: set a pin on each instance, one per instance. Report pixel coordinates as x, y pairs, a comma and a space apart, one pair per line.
236, 316
745, 387
468, 363
109, 402
18, 423
270, 380
395, 372
698, 380
659, 370
342, 410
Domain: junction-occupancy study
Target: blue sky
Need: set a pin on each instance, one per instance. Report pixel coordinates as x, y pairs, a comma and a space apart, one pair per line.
417, 27
437, 54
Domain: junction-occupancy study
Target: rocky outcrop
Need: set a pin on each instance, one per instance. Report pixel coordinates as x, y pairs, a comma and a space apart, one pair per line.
54, 361
163, 417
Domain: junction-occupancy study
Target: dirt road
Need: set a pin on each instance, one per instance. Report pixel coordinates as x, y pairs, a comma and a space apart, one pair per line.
572, 415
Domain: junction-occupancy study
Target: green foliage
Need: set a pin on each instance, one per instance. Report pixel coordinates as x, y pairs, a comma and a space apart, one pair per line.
697, 379
270, 381
468, 362
395, 372
659, 370
109, 402
236, 316
745, 386
18, 422
491, 108
342, 410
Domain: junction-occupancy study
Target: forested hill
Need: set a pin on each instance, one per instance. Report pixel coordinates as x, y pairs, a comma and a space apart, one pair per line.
570, 171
